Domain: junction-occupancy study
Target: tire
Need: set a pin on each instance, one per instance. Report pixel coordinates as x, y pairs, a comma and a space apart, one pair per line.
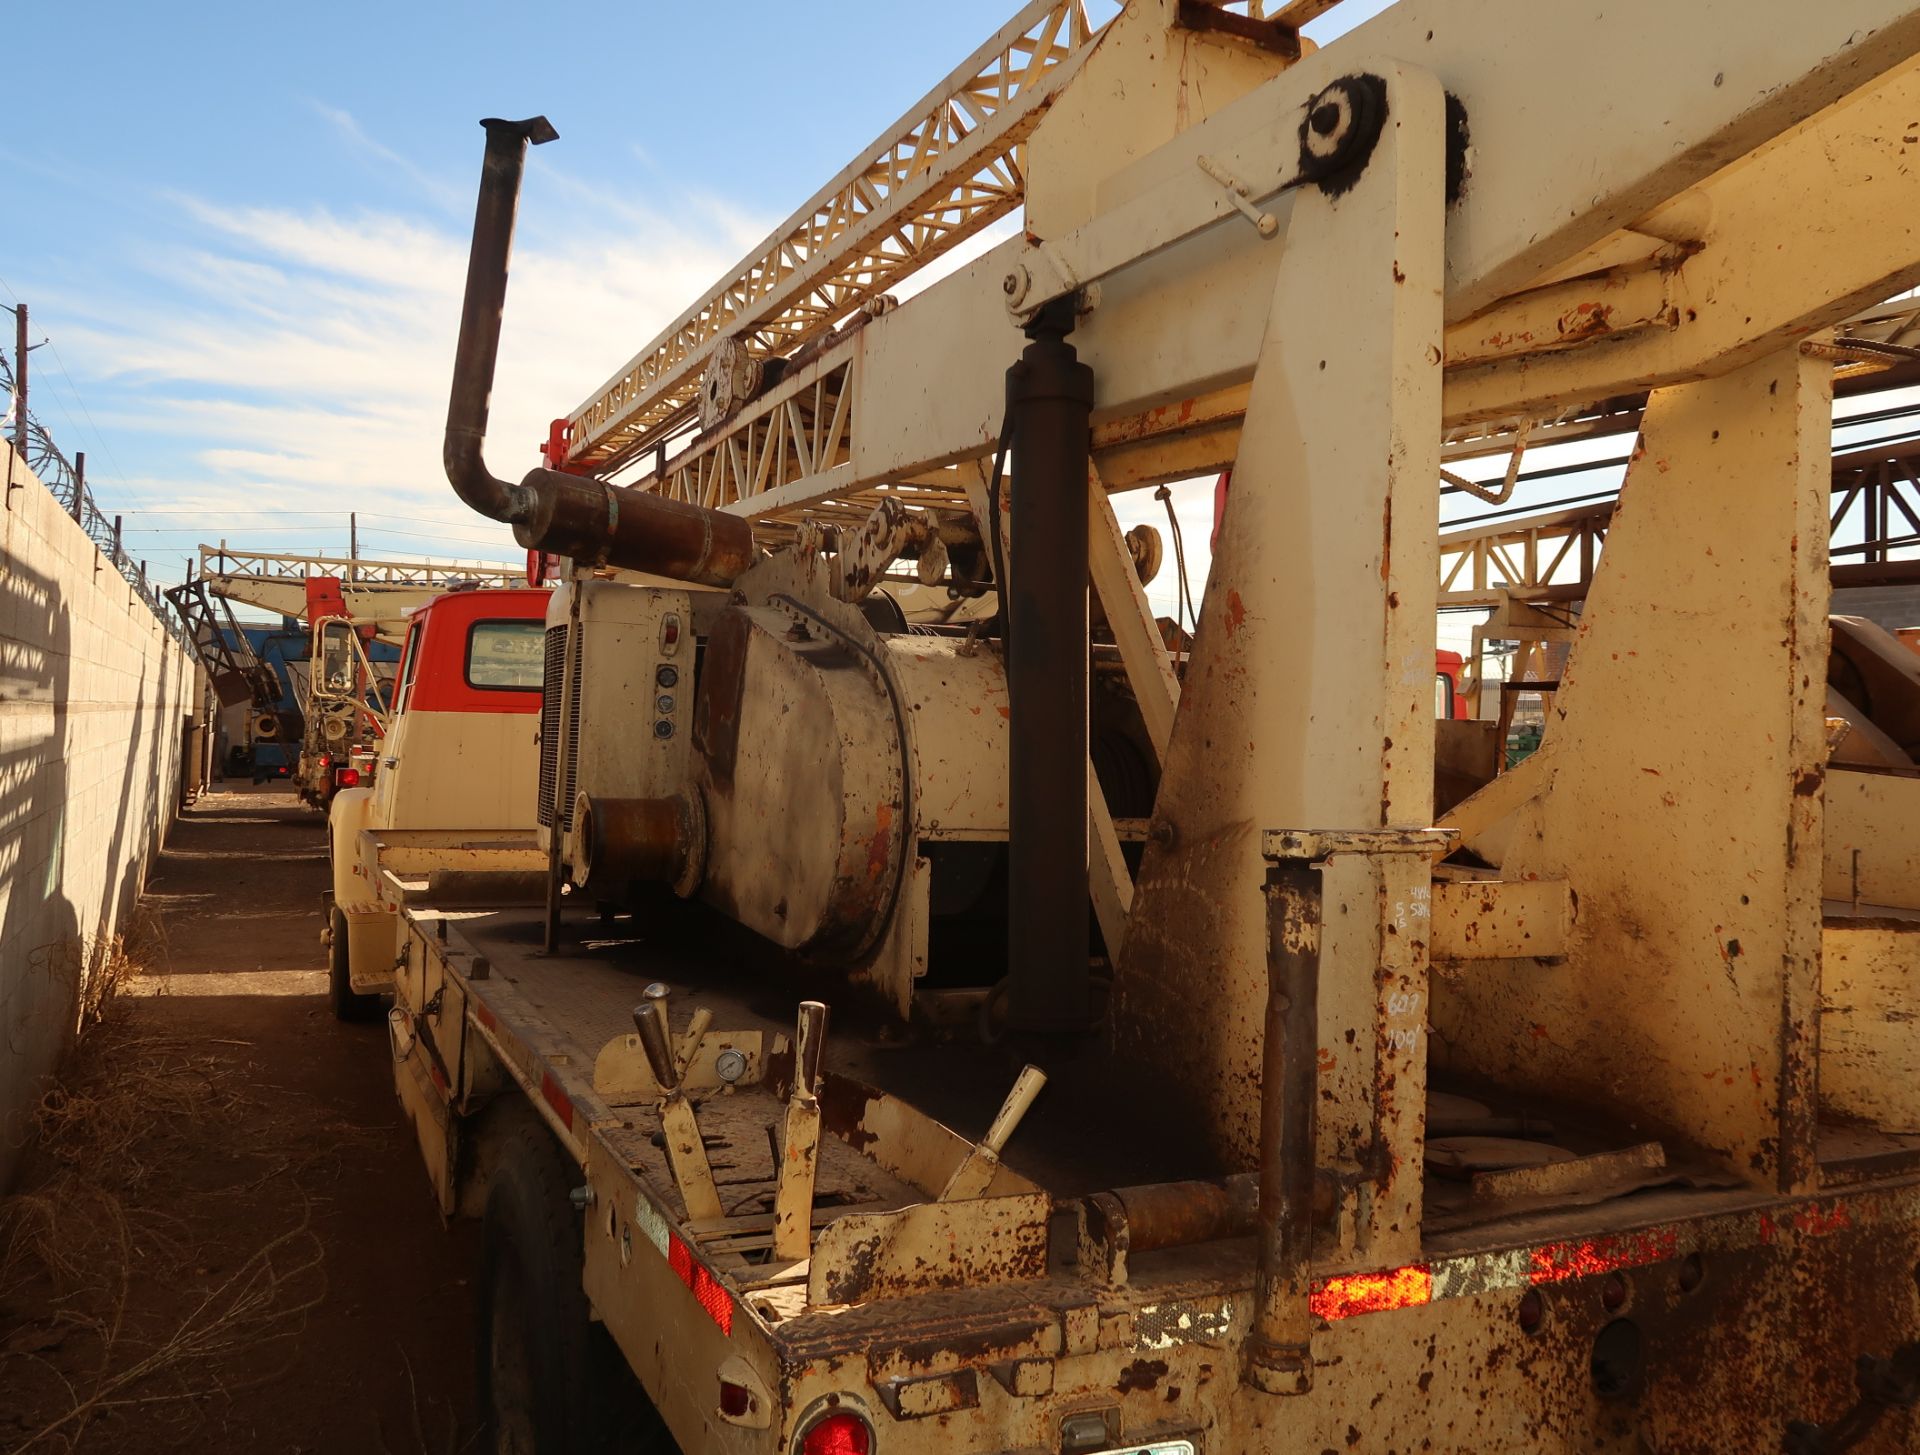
550, 1381
348, 1004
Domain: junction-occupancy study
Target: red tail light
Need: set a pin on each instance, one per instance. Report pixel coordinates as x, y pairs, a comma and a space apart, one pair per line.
347, 778
840, 1433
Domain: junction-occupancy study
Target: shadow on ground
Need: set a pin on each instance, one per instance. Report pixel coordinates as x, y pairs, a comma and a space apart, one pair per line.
227, 1242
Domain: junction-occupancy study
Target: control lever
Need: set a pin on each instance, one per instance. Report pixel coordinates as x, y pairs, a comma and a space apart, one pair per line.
690, 1042
800, 1150
686, 1153
971, 1177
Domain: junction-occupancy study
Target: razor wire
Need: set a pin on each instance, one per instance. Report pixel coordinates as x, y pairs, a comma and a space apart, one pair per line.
49, 462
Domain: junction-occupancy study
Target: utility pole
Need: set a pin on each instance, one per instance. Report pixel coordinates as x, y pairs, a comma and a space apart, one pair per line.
353, 544
80, 486
20, 382
116, 542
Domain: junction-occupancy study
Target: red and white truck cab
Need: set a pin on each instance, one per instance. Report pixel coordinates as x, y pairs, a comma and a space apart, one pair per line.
457, 778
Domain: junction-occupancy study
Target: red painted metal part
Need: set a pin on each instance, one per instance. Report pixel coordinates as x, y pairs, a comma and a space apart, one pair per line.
555, 1096
707, 1290
324, 599
440, 637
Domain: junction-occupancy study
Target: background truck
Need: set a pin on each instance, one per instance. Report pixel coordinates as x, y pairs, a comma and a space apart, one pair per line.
1193, 1081
454, 791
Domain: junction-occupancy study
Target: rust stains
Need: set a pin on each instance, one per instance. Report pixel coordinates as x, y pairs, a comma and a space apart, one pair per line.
1236, 612
1141, 1374
880, 843
1588, 320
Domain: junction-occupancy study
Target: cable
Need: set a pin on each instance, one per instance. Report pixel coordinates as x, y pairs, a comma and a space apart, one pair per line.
995, 541
1183, 608
906, 839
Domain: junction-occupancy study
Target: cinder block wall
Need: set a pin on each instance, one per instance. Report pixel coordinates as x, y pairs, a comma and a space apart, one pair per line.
93, 693
1892, 607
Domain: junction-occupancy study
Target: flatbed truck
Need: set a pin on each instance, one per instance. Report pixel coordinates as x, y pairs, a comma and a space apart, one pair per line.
1005, 1037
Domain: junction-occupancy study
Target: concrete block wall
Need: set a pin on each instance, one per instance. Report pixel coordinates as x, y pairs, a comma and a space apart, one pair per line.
1892, 607
93, 695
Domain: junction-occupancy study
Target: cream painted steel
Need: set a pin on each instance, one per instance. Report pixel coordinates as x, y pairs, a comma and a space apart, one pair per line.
924, 378
1360, 751
629, 660
1870, 854
382, 593
821, 784
947, 169
437, 770
1688, 841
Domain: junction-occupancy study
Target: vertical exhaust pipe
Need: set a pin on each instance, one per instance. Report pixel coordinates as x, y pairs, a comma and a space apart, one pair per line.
1050, 394
550, 510
486, 297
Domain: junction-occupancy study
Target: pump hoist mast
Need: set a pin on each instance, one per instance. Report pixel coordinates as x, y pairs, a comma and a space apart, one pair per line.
1215, 868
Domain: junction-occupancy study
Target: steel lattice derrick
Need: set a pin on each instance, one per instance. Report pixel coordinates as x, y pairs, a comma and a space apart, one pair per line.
947, 169
227, 563
1550, 555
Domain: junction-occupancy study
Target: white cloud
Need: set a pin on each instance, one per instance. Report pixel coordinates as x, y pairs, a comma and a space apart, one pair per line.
298, 360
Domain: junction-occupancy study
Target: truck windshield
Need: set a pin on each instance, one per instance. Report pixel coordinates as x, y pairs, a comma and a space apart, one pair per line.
505, 654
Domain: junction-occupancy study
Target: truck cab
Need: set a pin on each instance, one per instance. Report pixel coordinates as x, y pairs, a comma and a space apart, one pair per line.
460, 757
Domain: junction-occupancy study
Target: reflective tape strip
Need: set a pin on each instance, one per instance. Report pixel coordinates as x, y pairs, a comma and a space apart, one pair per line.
556, 1097
651, 1222
1348, 1295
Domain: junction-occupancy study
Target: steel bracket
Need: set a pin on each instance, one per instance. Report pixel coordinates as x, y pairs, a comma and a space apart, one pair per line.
1316, 846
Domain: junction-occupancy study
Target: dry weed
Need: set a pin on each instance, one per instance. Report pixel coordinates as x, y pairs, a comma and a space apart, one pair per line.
87, 1232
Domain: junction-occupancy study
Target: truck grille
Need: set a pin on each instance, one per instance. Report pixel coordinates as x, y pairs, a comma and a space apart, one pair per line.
556, 662
573, 734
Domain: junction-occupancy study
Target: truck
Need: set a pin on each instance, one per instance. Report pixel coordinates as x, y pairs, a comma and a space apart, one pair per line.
1016, 1036
454, 792
349, 694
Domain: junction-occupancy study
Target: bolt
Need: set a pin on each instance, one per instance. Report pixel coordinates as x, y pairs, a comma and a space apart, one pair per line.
581, 1197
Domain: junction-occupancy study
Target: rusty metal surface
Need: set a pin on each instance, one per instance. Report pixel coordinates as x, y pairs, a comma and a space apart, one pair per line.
1811, 1276
1492, 919
861, 1258
628, 841
1687, 994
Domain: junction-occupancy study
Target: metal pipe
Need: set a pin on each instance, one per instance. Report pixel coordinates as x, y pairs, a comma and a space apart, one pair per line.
486, 296
1050, 399
1279, 1353
551, 510
20, 383
629, 841
1179, 1214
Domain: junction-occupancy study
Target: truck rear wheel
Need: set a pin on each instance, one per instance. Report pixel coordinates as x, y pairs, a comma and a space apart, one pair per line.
550, 1380
348, 1004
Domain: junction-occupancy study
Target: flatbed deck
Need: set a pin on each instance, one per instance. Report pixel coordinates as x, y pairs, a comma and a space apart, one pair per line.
987, 1303
564, 1023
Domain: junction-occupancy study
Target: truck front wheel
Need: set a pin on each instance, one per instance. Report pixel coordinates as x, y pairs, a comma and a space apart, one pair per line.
551, 1381
348, 1004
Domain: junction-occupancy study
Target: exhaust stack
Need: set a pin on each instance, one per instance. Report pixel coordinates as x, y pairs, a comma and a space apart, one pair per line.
550, 510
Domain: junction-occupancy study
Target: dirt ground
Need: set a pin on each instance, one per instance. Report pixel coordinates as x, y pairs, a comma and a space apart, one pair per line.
227, 1242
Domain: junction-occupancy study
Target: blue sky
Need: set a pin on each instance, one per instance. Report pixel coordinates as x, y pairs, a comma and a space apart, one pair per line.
245, 230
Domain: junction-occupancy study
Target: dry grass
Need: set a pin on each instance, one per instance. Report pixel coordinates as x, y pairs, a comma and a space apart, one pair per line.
101, 1308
